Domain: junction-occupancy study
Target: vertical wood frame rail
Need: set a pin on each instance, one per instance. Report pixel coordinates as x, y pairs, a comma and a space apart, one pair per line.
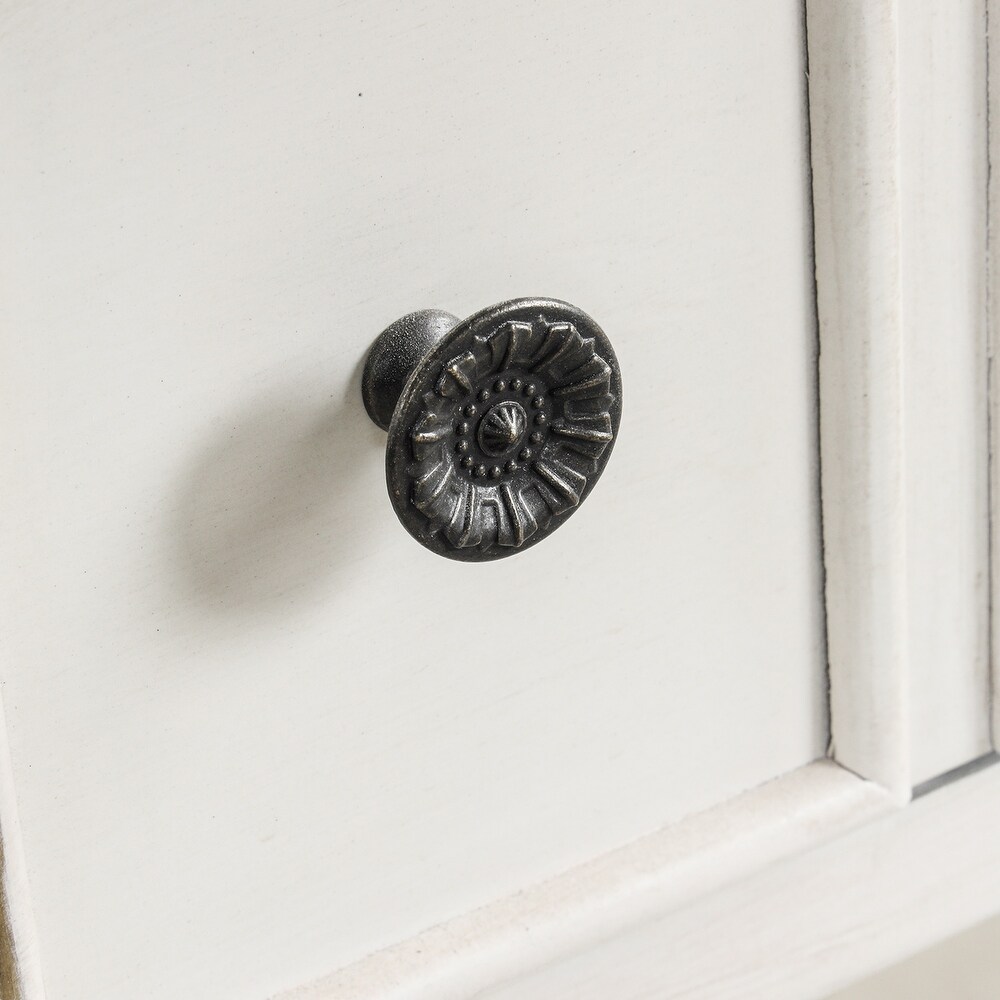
854, 124
993, 313
899, 136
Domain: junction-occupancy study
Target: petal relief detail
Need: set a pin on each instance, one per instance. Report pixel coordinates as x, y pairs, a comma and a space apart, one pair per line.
469, 509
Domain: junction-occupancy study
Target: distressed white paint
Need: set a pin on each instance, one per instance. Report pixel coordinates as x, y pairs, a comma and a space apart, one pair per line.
811, 924
829, 915
993, 333
228, 780
854, 128
963, 965
898, 119
16, 908
256, 732
942, 179
585, 908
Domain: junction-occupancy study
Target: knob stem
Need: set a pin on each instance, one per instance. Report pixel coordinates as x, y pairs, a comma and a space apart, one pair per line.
395, 354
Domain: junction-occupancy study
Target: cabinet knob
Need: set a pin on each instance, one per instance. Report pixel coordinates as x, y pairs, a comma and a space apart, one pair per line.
499, 425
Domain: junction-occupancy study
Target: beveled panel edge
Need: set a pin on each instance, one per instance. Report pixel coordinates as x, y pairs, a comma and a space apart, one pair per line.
627, 887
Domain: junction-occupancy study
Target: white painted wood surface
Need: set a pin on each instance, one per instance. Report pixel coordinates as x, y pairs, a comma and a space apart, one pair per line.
897, 116
238, 758
993, 333
961, 967
256, 733
585, 909
830, 915
811, 924
853, 104
943, 191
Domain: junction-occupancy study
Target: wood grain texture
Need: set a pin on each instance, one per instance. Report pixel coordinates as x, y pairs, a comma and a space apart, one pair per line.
898, 126
812, 924
242, 702
228, 695
962, 967
584, 910
993, 333
854, 126
943, 222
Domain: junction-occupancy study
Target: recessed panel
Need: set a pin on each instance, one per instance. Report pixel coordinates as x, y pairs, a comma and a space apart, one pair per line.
257, 731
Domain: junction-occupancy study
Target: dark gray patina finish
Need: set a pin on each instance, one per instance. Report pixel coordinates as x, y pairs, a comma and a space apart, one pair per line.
499, 425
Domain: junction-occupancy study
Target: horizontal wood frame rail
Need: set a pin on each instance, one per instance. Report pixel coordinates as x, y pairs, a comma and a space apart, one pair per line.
613, 895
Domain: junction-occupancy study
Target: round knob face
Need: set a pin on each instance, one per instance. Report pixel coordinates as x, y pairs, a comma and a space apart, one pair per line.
503, 429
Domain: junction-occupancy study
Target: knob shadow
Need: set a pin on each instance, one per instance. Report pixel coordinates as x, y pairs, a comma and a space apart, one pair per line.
275, 504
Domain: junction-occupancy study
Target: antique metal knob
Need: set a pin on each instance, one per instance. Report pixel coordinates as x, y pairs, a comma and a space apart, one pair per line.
499, 425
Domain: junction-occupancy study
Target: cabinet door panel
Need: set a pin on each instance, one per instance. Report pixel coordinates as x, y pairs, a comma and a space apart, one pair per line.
257, 732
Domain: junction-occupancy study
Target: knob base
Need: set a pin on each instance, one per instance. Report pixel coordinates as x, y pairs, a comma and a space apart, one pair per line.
394, 355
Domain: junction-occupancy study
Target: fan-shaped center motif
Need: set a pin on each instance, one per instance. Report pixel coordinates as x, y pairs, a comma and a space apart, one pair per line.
502, 428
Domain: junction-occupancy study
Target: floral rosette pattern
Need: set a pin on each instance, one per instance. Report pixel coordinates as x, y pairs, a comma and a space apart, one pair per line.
517, 425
